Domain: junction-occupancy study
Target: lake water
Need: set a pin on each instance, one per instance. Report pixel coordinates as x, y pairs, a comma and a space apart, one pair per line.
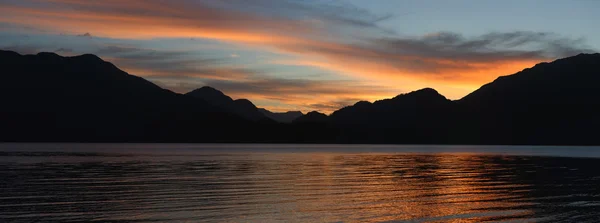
297, 183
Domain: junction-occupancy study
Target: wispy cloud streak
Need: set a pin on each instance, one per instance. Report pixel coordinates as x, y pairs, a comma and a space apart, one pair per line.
332, 36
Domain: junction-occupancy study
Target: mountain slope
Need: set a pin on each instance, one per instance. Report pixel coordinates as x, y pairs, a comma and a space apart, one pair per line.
312, 117
555, 102
47, 97
559, 82
550, 103
416, 117
241, 107
405, 108
281, 117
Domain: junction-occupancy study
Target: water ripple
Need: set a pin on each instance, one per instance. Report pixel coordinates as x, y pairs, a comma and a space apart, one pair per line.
297, 187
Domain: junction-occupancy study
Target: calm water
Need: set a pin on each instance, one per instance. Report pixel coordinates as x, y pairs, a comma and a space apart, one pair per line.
288, 183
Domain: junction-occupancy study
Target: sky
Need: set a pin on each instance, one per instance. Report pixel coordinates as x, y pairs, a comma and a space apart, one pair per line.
306, 54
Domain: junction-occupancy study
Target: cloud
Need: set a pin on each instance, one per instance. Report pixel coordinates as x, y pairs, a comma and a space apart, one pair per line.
11, 27
118, 19
300, 94
306, 95
331, 106
182, 72
324, 35
308, 29
172, 64
87, 35
488, 47
445, 52
63, 50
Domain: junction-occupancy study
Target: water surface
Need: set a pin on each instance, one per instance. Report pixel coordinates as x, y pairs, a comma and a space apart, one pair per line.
297, 183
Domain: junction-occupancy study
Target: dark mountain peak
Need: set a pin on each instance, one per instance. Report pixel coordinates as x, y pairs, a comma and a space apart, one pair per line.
362, 104
50, 98
287, 112
211, 95
82, 84
572, 60
247, 109
425, 93
245, 103
82, 67
315, 113
241, 107
299, 113
586, 55
312, 117
582, 58
388, 113
47, 54
207, 90
79, 58
88, 58
6, 53
543, 83
350, 112
282, 117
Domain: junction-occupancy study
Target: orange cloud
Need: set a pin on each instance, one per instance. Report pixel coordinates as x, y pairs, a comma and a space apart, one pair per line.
114, 19
288, 94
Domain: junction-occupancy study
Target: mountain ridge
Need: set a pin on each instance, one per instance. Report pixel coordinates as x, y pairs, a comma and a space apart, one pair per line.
242, 107
84, 98
282, 117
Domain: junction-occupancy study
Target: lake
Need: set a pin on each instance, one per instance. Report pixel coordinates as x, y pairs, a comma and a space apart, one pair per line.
297, 183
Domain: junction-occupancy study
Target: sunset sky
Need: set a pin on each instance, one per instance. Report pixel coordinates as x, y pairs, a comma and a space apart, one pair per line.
306, 54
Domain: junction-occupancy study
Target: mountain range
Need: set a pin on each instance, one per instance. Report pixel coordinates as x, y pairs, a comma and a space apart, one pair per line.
50, 98
282, 117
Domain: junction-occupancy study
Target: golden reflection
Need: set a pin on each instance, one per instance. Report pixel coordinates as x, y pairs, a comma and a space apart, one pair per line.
290, 186
381, 188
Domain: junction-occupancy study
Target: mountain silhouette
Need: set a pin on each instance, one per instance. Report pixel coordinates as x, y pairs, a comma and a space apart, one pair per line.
416, 117
550, 103
423, 104
312, 117
47, 97
211, 95
241, 107
281, 117
555, 103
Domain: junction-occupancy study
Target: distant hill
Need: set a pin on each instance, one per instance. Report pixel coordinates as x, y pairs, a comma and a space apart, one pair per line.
47, 97
312, 117
241, 107
417, 117
414, 108
281, 117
